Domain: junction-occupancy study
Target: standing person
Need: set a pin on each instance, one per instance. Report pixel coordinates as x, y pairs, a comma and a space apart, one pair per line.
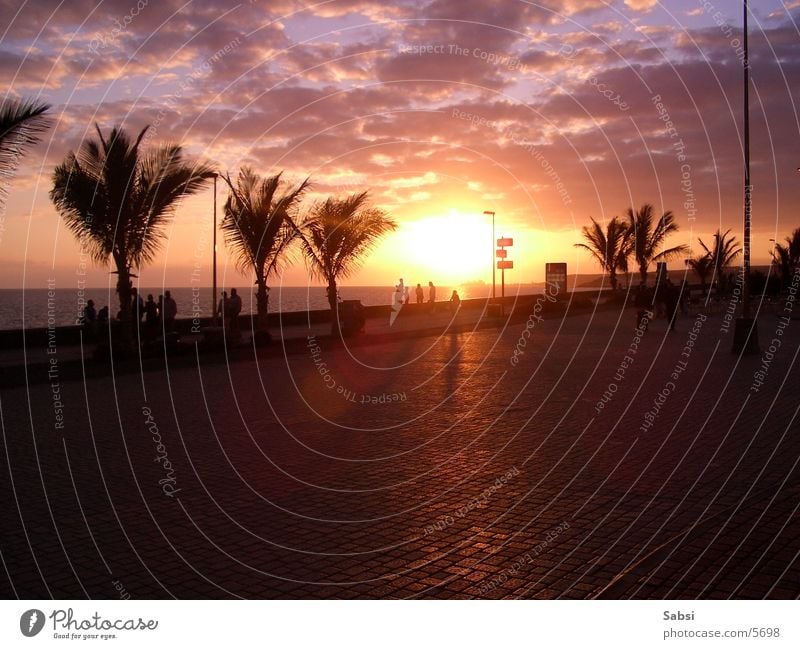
397, 301
420, 294
222, 309
234, 309
406, 296
90, 319
455, 301
170, 312
432, 296
150, 318
137, 307
137, 304
160, 306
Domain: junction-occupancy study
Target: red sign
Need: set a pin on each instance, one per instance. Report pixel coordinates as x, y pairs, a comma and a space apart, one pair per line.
502, 254
505, 265
505, 242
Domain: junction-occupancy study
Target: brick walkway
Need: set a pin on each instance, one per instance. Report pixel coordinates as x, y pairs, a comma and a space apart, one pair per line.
428, 467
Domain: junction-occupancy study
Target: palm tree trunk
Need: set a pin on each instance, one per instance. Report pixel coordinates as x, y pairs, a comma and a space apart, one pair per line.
262, 306
124, 293
612, 277
334, 304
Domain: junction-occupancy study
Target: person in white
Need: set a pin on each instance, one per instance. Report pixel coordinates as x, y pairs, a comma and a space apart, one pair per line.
400, 293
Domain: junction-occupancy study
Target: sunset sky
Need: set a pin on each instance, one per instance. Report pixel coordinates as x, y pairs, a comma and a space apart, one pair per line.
546, 113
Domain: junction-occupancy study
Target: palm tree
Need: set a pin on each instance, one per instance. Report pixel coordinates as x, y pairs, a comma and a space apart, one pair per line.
21, 124
611, 248
649, 238
118, 200
723, 253
703, 266
258, 227
336, 235
787, 258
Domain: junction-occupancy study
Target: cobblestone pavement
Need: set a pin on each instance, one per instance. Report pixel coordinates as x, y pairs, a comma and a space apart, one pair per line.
597, 465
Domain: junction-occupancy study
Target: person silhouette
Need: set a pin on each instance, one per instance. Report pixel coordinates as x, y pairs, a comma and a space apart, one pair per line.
234, 309
222, 309
150, 318
137, 304
90, 319
170, 312
420, 294
455, 301
432, 296
397, 301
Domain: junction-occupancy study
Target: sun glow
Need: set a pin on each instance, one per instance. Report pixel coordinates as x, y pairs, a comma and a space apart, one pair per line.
452, 249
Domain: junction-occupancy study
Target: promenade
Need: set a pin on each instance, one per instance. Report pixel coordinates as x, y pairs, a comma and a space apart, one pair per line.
573, 458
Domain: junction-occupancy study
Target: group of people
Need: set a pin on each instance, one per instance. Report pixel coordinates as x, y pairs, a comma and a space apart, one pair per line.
93, 320
229, 308
148, 316
402, 295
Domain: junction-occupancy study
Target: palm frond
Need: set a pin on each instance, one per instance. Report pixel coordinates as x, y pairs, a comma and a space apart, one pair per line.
118, 199
339, 233
257, 224
22, 123
649, 236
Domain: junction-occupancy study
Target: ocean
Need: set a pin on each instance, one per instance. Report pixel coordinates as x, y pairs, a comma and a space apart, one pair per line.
31, 308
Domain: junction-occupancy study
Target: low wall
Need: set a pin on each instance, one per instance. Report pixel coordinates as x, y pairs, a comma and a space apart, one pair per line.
70, 334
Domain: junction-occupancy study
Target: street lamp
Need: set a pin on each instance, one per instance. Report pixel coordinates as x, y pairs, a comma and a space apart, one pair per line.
487, 212
745, 337
214, 271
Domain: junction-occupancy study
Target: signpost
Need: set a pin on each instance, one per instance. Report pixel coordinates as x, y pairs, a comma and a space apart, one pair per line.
501, 253
556, 274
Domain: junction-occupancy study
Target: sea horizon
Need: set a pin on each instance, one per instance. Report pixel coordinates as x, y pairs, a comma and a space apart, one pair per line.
43, 307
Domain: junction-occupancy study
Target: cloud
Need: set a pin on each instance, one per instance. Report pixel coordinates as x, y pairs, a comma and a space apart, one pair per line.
641, 5
426, 103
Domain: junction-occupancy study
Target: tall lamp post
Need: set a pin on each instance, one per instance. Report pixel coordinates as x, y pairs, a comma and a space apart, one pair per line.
745, 338
214, 265
487, 212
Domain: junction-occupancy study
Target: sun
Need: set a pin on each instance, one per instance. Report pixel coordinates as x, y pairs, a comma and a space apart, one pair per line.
452, 249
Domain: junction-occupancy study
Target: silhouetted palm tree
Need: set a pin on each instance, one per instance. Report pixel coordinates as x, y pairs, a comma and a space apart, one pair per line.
649, 236
703, 266
787, 258
336, 235
21, 124
258, 227
118, 200
610, 248
723, 252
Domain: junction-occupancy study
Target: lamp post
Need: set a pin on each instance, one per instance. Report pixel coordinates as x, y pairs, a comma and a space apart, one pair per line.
487, 212
214, 265
745, 338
